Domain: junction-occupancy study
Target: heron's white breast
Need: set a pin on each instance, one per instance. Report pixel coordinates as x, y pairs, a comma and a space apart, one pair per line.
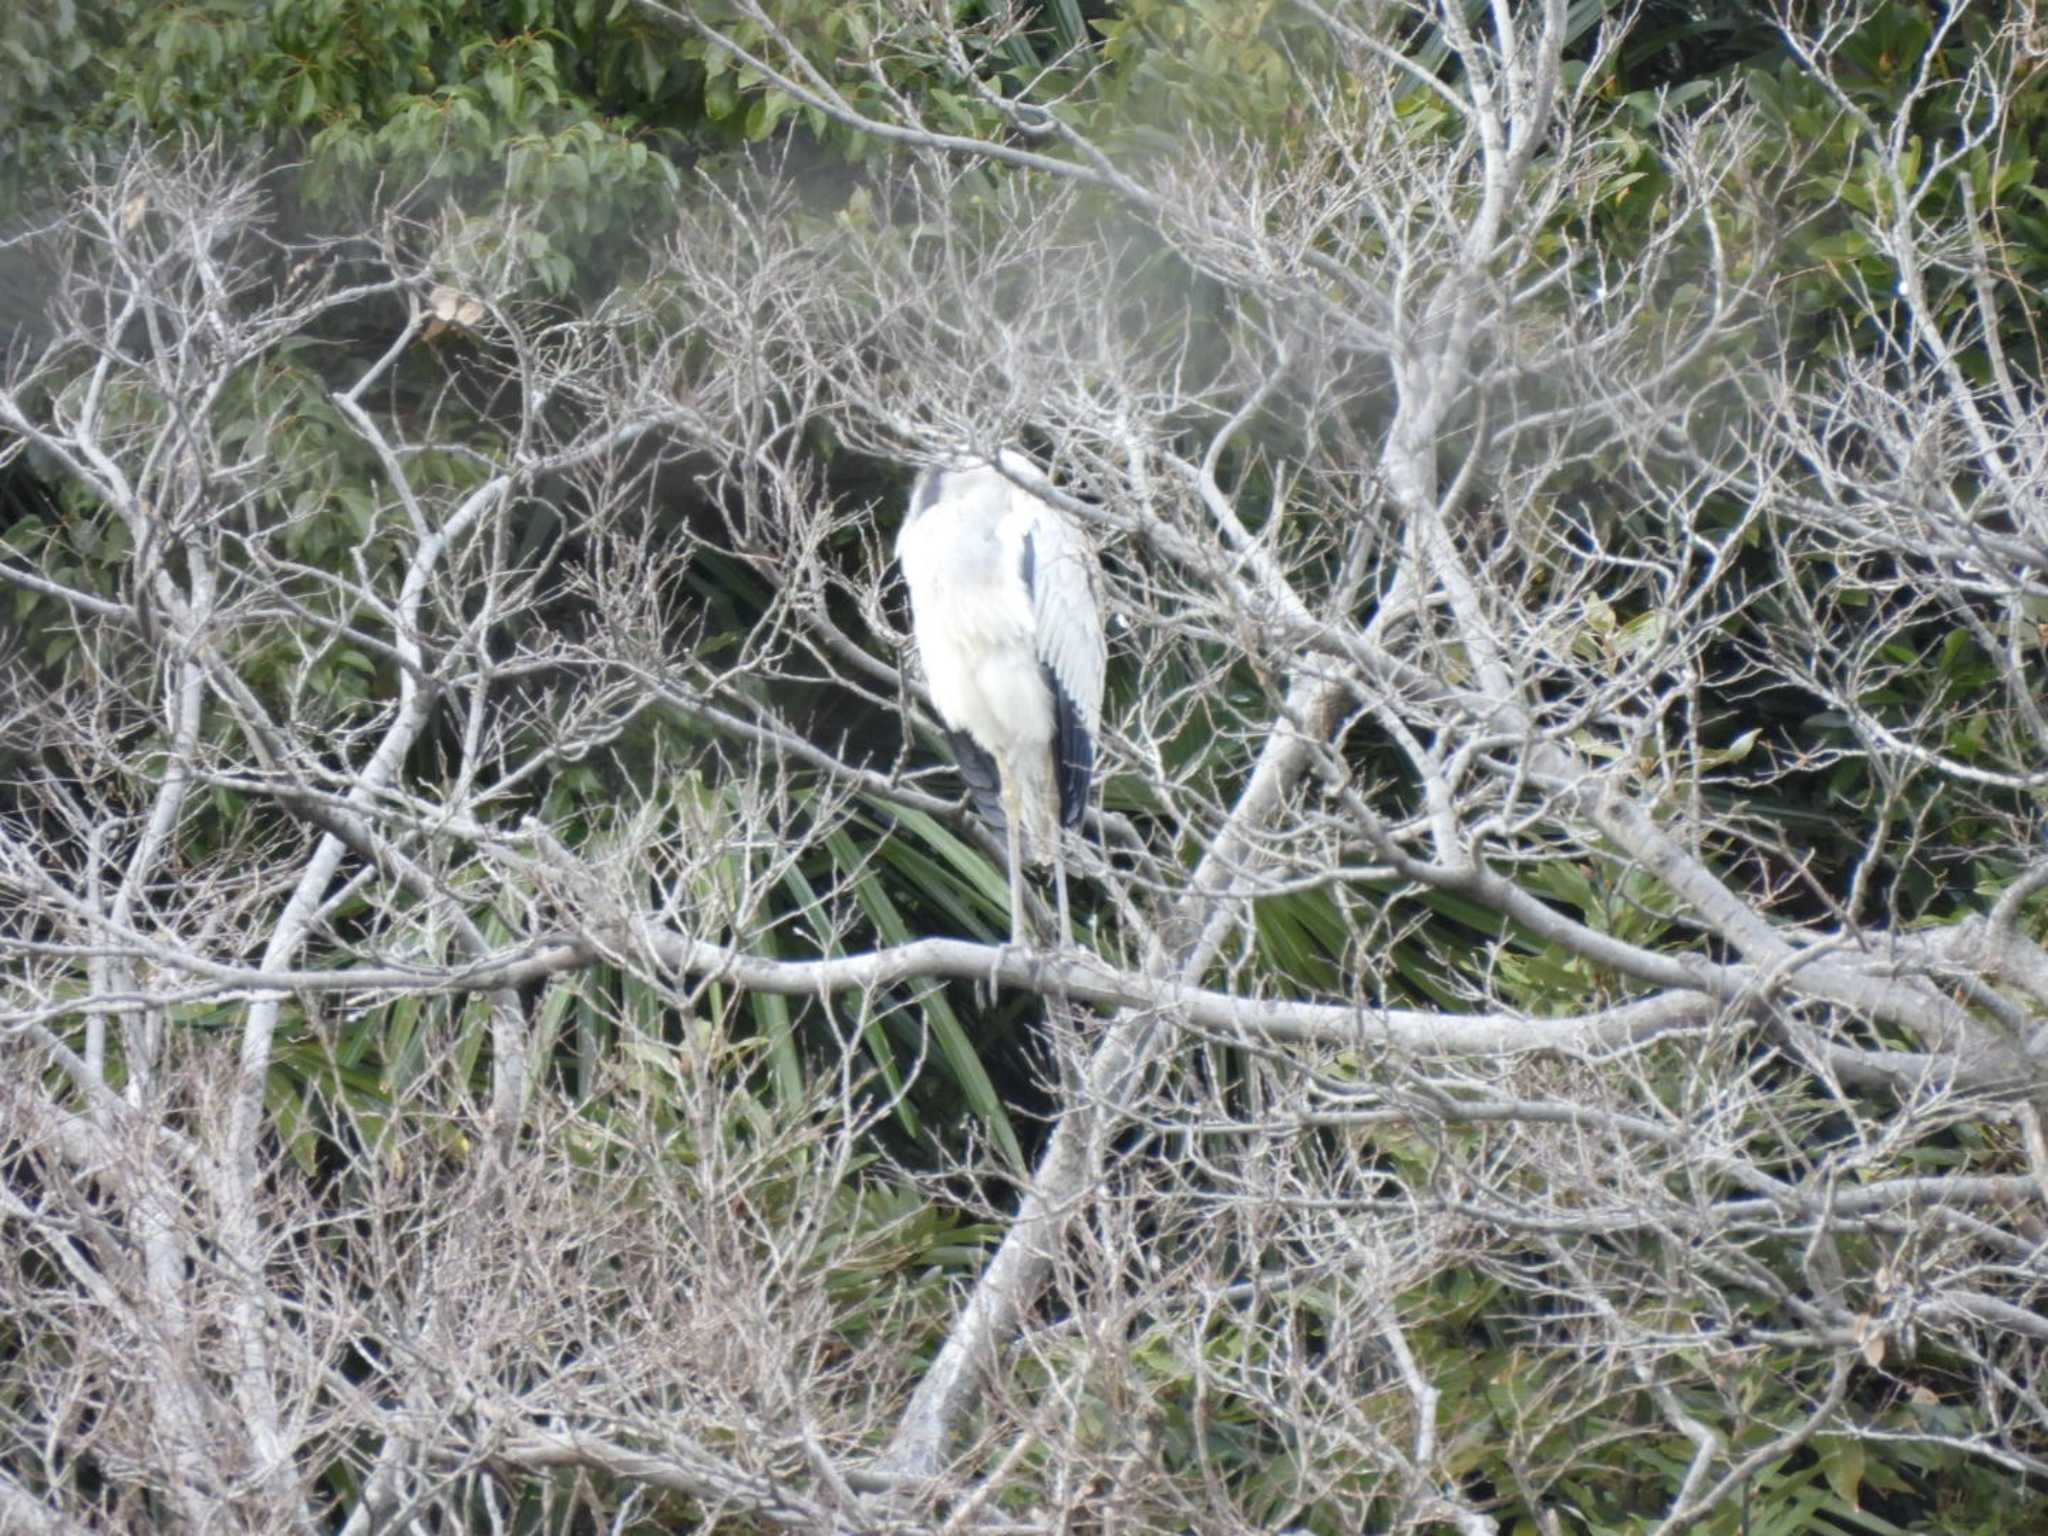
975, 635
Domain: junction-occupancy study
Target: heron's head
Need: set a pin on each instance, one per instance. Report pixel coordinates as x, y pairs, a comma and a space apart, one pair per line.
1020, 468
940, 483
965, 475
1008, 462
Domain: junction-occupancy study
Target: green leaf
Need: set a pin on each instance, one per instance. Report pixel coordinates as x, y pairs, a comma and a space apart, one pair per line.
502, 81
1068, 28
1842, 1460
954, 1047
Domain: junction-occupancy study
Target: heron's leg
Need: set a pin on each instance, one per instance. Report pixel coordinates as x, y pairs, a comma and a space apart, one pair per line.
1018, 933
1065, 936
1010, 821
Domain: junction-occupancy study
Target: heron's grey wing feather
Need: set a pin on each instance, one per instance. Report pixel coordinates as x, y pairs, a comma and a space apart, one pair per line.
1073, 751
1065, 583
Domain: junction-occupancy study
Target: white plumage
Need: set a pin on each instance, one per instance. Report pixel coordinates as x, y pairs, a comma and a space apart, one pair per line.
1005, 608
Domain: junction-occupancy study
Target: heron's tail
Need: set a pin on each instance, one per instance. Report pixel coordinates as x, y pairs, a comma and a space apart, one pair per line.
984, 779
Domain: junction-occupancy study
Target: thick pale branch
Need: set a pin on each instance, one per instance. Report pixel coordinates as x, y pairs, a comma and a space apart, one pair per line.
1081, 977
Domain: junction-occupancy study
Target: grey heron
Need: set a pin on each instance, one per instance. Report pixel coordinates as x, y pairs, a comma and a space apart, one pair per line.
1005, 607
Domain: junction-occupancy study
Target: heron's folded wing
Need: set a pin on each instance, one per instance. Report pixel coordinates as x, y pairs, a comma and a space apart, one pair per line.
1065, 583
